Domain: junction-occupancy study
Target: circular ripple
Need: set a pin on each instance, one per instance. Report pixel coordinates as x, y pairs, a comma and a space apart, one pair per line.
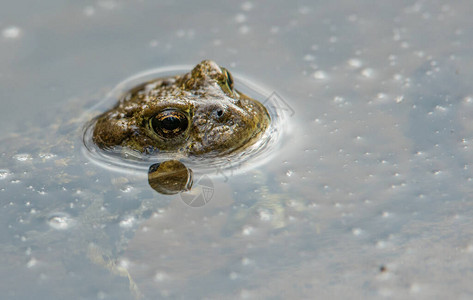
256, 154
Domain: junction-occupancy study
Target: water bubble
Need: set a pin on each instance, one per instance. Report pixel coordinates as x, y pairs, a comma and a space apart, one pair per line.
248, 230
244, 29
89, 11
60, 221
246, 261
368, 72
31, 263
153, 43
399, 99
46, 155
160, 276
309, 57
304, 10
124, 263
440, 108
107, 4
128, 222
126, 189
320, 75
356, 231
264, 215
4, 173
415, 288
240, 18
274, 29
354, 63
247, 6
22, 156
11, 32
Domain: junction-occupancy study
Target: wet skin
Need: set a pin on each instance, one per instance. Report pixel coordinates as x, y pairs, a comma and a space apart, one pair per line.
195, 114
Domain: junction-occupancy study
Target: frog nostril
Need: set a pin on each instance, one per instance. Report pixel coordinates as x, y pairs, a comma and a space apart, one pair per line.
219, 113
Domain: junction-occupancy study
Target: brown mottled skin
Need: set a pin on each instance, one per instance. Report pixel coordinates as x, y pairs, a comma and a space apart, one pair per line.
218, 119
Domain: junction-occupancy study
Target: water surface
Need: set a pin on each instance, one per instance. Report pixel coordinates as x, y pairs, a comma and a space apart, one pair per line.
368, 194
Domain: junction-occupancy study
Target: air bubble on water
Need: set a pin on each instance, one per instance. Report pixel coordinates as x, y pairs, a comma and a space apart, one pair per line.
89, 11
440, 109
367, 72
381, 245
265, 215
244, 29
469, 248
22, 156
160, 276
247, 230
107, 4
128, 222
397, 77
124, 263
126, 189
181, 33
4, 173
240, 18
356, 231
320, 75
11, 32
246, 294
289, 173
61, 221
153, 43
245, 261
233, 275
31, 263
247, 6
468, 100
46, 155
309, 57
415, 288
354, 63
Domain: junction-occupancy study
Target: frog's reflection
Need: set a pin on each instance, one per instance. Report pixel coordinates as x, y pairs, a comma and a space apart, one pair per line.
170, 177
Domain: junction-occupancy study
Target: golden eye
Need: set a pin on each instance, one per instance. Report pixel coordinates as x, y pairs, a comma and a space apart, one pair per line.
227, 83
169, 123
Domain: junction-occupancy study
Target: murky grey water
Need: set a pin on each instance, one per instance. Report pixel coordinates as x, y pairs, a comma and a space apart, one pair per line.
368, 194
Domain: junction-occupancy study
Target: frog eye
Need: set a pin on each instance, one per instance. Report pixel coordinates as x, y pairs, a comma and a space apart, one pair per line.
169, 123
227, 82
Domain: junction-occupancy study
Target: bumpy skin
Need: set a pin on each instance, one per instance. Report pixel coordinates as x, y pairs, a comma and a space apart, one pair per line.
221, 119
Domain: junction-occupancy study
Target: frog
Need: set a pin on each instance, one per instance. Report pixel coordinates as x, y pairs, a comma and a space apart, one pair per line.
199, 114
53, 197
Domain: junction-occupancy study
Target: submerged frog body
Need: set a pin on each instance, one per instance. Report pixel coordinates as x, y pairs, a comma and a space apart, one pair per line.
195, 114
